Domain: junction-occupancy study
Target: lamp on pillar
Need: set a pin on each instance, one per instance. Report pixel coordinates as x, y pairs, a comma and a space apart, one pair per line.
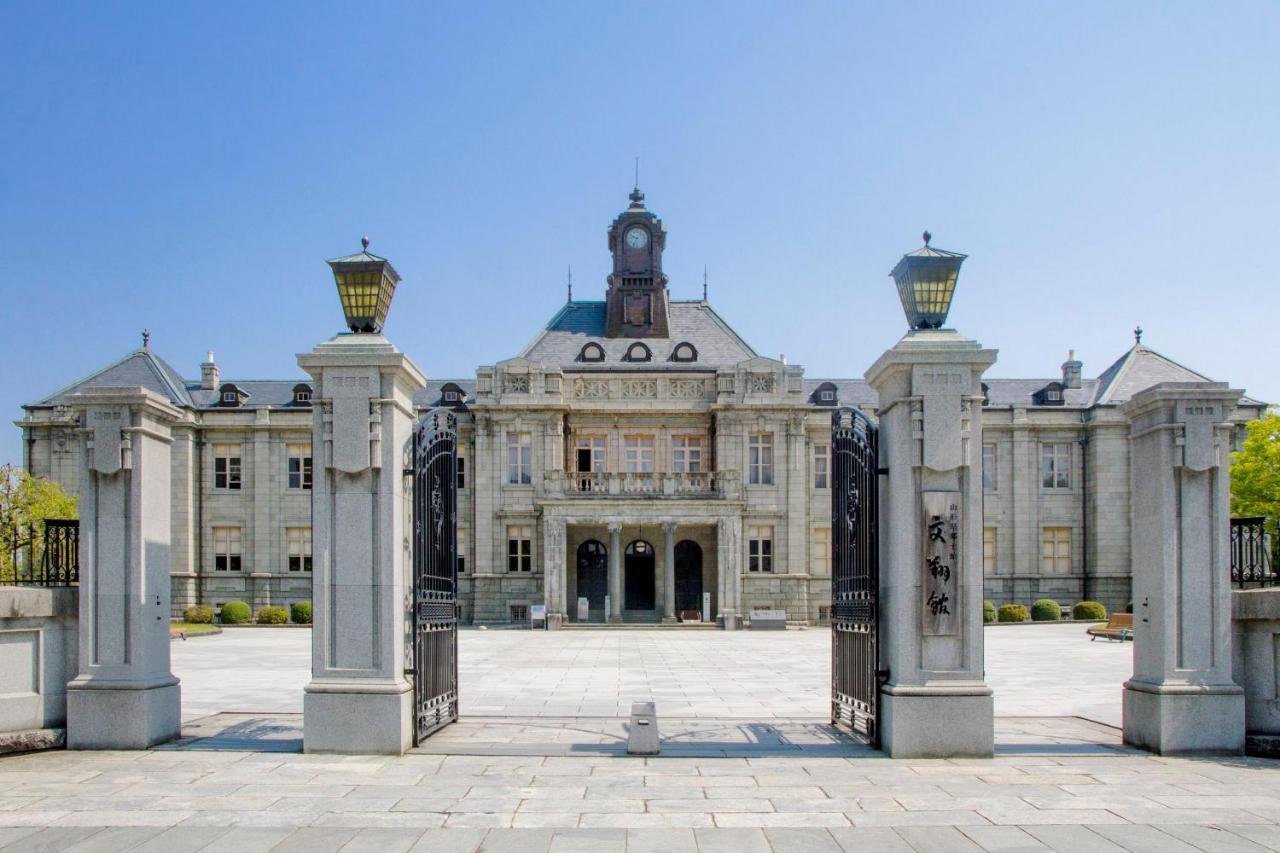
366, 284
926, 280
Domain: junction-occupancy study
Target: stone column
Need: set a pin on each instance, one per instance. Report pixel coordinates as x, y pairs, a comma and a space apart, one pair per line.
358, 700
125, 696
553, 569
1181, 698
669, 571
930, 414
728, 571
615, 572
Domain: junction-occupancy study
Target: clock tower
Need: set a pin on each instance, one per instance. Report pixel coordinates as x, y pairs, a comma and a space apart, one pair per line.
637, 298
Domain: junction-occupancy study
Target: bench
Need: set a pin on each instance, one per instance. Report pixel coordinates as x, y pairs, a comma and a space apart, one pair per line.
1118, 627
768, 620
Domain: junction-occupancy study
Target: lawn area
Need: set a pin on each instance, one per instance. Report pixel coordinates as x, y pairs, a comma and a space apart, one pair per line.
189, 628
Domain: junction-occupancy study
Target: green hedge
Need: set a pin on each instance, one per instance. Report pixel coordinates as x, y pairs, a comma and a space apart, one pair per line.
1089, 611
1012, 613
1045, 610
988, 612
300, 613
235, 613
198, 615
273, 616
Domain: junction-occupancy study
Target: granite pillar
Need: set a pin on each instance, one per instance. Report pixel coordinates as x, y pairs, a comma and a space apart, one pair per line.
668, 571
729, 573
615, 571
358, 699
125, 696
554, 570
936, 703
1181, 698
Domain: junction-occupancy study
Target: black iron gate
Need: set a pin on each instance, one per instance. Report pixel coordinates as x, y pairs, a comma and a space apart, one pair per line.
855, 573
435, 572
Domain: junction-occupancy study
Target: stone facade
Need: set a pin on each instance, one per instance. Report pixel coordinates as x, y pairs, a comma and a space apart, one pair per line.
605, 428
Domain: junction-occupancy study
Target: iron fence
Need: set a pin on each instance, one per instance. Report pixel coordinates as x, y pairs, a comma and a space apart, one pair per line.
1255, 553
47, 554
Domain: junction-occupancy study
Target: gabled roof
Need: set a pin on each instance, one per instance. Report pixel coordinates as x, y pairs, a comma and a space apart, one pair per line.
142, 367
578, 323
1137, 370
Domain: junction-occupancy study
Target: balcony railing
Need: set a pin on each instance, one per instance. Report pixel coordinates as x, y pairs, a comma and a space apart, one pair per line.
642, 484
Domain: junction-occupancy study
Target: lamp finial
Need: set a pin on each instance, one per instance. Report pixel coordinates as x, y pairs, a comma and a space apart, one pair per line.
146, 339
927, 237
1137, 335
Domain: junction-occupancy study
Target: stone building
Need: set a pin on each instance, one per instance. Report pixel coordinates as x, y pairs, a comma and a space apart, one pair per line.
637, 456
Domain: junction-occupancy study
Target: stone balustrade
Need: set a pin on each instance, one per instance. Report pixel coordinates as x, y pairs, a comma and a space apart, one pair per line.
721, 485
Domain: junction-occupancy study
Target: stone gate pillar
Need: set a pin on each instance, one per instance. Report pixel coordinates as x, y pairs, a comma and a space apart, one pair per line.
359, 700
1181, 697
554, 571
125, 696
936, 703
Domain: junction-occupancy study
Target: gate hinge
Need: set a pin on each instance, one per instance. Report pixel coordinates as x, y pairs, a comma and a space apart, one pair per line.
408, 472
882, 675
411, 671
883, 472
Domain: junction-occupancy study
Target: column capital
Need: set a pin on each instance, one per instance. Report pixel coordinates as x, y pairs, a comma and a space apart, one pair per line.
615, 526
669, 527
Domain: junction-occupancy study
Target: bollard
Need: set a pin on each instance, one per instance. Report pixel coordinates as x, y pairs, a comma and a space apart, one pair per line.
643, 739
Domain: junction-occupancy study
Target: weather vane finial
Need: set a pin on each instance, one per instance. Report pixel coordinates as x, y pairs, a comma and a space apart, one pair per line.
1137, 334
704, 282
146, 338
570, 282
364, 242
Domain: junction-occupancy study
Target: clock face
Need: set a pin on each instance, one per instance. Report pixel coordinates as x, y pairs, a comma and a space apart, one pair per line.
637, 238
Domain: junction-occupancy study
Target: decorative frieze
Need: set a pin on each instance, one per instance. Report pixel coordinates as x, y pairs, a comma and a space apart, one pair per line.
761, 383
516, 383
639, 389
688, 389
591, 389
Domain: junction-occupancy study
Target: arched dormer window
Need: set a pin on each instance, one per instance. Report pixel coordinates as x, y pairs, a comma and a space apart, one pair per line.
302, 395
826, 394
230, 396
1049, 395
684, 352
451, 394
591, 352
638, 352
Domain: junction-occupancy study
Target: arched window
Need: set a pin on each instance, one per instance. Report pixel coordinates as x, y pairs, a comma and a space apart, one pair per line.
451, 394
826, 394
684, 352
229, 396
302, 395
638, 352
591, 352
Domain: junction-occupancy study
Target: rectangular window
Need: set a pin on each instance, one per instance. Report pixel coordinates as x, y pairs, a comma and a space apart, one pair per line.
299, 465
462, 553
760, 459
519, 548
226, 549
1055, 551
988, 467
226, 466
462, 469
988, 550
590, 453
1055, 466
822, 466
760, 548
638, 454
519, 612
299, 542
686, 454
519, 458
822, 551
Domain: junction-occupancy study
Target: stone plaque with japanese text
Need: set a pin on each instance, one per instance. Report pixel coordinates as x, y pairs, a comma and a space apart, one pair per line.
940, 571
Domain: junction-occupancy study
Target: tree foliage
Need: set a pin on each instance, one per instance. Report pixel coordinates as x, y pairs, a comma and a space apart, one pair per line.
1255, 470
25, 503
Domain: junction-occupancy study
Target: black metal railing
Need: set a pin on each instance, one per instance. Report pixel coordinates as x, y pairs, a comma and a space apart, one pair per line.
1254, 557
50, 558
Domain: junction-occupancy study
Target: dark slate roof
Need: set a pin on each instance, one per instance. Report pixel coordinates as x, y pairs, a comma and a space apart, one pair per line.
849, 392
262, 393
433, 394
1019, 392
577, 323
1137, 370
142, 367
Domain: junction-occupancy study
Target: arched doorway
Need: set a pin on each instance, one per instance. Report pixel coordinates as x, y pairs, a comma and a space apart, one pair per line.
593, 574
639, 584
688, 576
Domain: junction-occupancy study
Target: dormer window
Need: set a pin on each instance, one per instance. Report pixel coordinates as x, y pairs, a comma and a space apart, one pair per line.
638, 352
1049, 395
825, 394
452, 394
591, 352
230, 397
684, 352
986, 394
302, 395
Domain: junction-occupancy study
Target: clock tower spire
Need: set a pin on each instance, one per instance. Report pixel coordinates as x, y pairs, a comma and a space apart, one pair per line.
637, 302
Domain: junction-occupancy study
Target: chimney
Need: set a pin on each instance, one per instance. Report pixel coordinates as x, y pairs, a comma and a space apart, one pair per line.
1071, 370
209, 374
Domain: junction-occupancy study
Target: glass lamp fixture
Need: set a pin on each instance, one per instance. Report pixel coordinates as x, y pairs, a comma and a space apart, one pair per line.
926, 280
366, 284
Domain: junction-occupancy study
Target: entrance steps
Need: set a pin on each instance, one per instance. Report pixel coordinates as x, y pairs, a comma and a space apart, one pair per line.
639, 626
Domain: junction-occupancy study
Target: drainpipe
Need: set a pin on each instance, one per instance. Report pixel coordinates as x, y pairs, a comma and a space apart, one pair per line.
1084, 509
199, 560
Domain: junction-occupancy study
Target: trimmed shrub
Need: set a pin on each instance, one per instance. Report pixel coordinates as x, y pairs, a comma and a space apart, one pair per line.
1089, 611
300, 613
988, 612
1012, 613
273, 616
198, 615
235, 613
1045, 610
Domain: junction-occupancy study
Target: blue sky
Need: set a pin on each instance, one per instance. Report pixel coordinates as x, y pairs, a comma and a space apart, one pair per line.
188, 168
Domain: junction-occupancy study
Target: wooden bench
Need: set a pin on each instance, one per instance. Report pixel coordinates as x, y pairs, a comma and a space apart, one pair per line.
1118, 627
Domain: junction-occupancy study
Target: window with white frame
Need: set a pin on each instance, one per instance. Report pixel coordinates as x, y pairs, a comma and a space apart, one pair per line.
638, 454
760, 459
822, 466
1055, 551
462, 552
226, 549
988, 550
226, 466
299, 465
760, 548
519, 548
988, 467
298, 540
686, 454
519, 458
822, 551
1055, 465
590, 452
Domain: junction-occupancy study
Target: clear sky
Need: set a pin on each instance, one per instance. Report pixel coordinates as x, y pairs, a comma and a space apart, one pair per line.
188, 167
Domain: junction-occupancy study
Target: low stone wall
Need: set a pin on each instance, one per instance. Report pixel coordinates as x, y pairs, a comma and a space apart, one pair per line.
38, 655
1255, 625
